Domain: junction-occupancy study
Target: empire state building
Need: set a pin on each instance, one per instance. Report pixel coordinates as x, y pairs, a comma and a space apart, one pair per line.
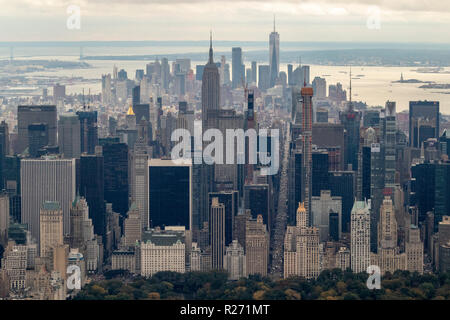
210, 92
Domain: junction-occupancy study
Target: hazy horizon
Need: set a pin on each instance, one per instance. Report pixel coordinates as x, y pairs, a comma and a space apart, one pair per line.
307, 20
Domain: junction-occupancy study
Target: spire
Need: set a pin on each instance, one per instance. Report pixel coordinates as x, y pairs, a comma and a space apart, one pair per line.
274, 22
130, 111
211, 60
301, 208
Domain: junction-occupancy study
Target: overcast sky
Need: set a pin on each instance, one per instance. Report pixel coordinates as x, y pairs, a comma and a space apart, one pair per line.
297, 20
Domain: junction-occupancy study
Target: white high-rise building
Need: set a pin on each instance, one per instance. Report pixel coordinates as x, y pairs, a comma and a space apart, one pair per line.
360, 236
106, 87
139, 183
234, 261
47, 179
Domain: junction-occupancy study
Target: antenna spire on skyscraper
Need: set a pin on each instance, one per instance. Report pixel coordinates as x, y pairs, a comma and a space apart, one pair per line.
274, 22
211, 60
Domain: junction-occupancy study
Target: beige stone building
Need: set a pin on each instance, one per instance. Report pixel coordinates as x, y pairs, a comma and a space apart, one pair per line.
51, 228
123, 260
301, 248
256, 246
132, 227
388, 258
414, 250
162, 250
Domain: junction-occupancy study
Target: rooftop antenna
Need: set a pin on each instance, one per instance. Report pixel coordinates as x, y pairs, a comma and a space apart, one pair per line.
84, 105
211, 59
274, 23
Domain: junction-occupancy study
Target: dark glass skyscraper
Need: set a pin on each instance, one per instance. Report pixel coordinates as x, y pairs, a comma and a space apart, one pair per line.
351, 119
88, 131
170, 193
342, 184
37, 138
90, 183
115, 158
423, 122
256, 199
27, 115
230, 199
442, 192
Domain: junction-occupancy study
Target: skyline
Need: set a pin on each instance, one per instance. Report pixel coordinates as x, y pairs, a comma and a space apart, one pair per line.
229, 20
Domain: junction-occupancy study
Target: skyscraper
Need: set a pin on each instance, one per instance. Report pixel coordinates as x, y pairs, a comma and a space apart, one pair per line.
4, 149
256, 246
234, 261
91, 187
51, 227
27, 115
274, 55
139, 180
390, 133
170, 193
4, 218
388, 257
79, 213
360, 236
238, 68
132, 227
257, 200
217, 233
69, 136
321, 209
254, 72
263, 77
115, 160
210, 90
423, 122
230, 200
301, 247
351, 119
37, 138
48, 179
307, 118
210, 111
88, 131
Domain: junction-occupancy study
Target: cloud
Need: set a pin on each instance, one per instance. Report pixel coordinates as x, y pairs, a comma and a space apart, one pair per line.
298, 20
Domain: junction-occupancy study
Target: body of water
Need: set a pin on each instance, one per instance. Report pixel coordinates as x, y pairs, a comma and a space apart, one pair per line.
370, 84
